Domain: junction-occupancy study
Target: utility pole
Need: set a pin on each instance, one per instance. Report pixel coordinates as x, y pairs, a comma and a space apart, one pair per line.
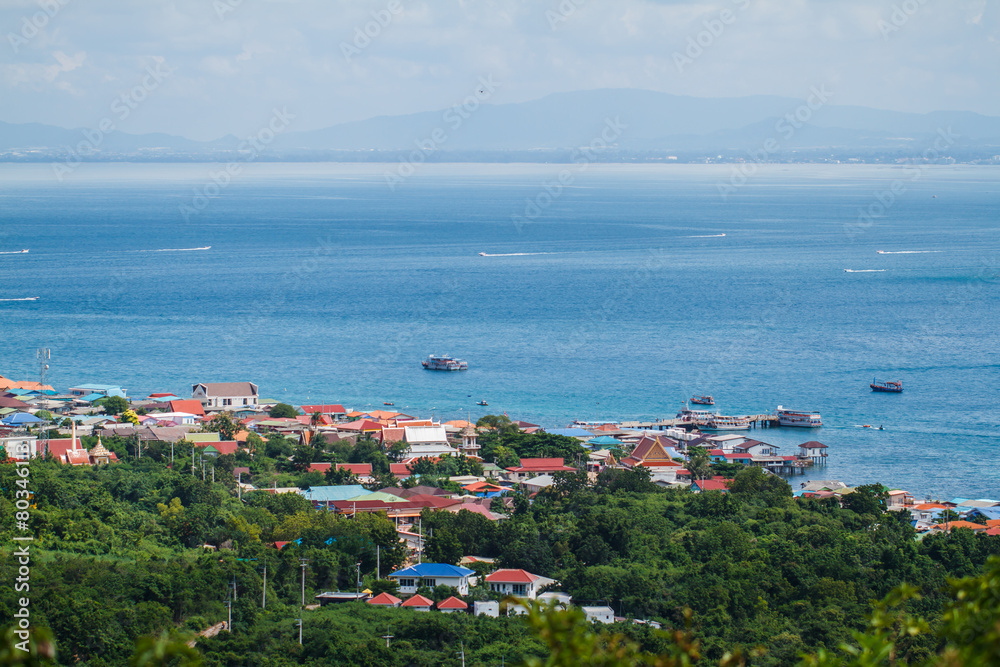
263, 597
229, 627
358, 565
462, 652
387, 636
171, 455
213, 474
378, 561
420, 540
304, 561
234, 586
300, 631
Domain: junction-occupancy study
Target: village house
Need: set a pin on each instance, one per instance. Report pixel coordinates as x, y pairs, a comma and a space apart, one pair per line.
385, 600
814, 451
219, 396
534, 467
101, 390
429, 440
451, 605
519, 583
418, 603
431, 575
599, 614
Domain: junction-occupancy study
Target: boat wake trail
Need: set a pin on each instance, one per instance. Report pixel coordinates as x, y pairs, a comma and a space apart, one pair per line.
705, 236
904, 252
514, 254
863, 270
27, 298
208, 247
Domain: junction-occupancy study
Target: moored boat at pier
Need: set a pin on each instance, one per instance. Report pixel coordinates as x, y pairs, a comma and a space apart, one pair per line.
800, 418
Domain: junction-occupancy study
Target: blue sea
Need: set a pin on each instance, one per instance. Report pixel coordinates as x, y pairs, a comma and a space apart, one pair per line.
608, 292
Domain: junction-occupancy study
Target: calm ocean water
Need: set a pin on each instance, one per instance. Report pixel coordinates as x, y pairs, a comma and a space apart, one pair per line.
617, 297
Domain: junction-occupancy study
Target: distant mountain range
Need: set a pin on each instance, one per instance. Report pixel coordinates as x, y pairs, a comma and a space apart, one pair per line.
630, 120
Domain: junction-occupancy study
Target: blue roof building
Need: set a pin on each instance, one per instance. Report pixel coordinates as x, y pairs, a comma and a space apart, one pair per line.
329, 494
102, 389
431, 575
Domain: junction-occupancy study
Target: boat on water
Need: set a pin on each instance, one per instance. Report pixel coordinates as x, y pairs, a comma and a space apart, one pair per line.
800, 418
703, 400
387, 403
687, 416
707, 420
481, 403
726, 423
891, 386
444, 362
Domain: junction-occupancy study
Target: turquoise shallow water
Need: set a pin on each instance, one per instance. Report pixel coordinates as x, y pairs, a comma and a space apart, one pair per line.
614, 298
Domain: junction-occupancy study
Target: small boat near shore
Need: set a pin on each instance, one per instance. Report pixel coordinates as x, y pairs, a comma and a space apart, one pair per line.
889, 386
703, 400
481, 403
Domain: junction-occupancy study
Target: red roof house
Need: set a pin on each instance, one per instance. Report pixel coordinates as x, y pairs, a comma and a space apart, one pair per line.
717, 483
451, 605
519, 583
385, 600
419, 603
535, 467
324, 409
189, 405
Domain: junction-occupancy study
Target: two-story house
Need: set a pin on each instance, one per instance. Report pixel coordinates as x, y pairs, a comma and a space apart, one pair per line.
431, 575
231, 396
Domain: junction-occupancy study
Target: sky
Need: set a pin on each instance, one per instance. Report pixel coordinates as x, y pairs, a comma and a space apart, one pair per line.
207, 68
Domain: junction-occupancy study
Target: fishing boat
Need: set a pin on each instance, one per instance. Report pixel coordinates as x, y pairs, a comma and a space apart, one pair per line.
387, 403
703, 400
800, 418
891, 386
481, 403
444, 362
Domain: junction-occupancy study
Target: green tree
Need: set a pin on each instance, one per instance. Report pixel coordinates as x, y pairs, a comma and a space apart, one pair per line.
283, 411
699, 463
113, 405
223, 424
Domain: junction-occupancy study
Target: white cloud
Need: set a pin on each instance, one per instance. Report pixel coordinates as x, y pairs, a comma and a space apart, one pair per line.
230, 71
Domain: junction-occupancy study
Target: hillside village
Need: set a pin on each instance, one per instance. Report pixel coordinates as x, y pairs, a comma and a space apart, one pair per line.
222, 422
